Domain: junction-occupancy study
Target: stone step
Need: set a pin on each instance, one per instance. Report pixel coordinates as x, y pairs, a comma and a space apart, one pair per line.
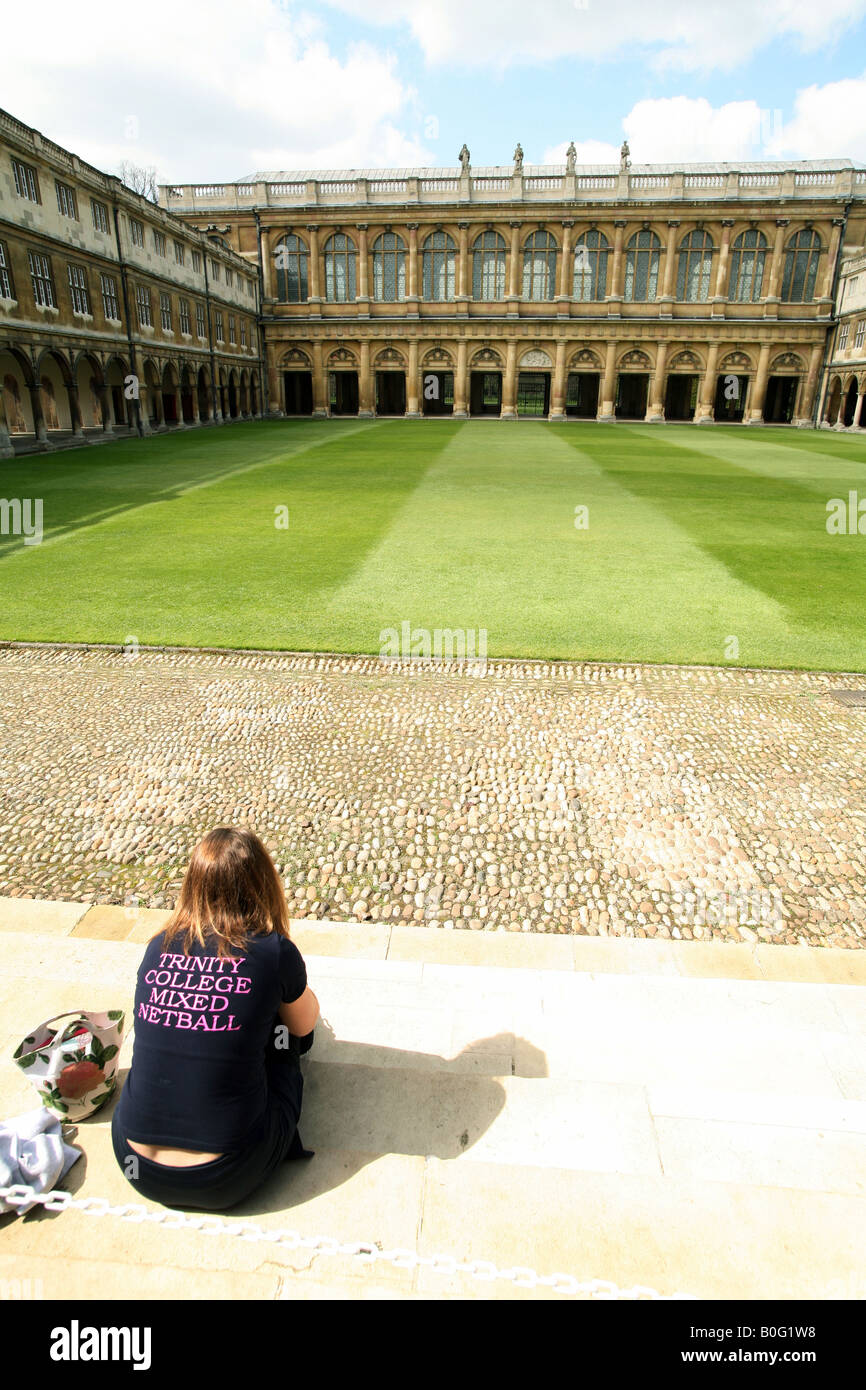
688, 1132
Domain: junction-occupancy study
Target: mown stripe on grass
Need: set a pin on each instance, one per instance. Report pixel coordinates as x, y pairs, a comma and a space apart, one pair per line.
489, 542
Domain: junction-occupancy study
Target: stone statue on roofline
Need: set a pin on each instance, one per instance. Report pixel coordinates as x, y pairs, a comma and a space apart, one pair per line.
464, 160
518, 159
570, 157
624, 160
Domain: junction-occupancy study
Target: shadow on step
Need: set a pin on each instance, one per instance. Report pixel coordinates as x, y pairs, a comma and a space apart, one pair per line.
363, 1102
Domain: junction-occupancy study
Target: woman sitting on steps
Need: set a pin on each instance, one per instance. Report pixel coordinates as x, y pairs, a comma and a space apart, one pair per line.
222, 1015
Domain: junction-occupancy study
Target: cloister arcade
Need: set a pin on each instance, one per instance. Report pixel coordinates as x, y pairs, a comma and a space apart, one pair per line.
53, 397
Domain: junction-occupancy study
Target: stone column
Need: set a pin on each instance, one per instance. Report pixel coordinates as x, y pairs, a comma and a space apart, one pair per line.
461, 382
6, 450
509, 385
705, 409
38, 417
316, 284
363, 297
463, 295
807, 395
557, 401
413, 268
75, 412
666, 298
513, 296
269, 279
365, 383
565, 285
105, 405
756, 410
827, 289
855, 423
608, 385
720, 287
275, 392
412, 411
772, 298
320, 385
656, 406
614, 299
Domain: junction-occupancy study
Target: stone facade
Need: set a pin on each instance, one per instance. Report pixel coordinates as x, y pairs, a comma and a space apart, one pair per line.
844, 385
102, 294
649, 292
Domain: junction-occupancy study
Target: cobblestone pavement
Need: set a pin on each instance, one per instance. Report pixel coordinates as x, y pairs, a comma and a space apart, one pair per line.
605, 800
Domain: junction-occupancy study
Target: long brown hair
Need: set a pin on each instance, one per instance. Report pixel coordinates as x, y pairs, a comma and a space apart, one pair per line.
231, 891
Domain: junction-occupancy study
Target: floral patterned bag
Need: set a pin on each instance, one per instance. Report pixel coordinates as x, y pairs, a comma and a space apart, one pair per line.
73, 1068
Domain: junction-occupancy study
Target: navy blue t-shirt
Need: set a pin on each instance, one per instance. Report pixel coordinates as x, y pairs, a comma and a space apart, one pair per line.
202, 1024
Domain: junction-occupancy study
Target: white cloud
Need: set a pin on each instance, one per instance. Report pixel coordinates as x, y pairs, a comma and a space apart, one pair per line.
684, 34
828, 121
216, 91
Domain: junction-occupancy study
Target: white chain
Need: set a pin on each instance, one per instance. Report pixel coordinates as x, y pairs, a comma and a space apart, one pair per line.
364, 1251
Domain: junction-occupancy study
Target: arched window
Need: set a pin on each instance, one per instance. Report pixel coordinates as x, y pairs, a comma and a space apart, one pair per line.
642, 266
439, 262
539, 266
747, 267
693, 272
488, 266
389, 268
802, 255
340, 256
591, 251
292, 260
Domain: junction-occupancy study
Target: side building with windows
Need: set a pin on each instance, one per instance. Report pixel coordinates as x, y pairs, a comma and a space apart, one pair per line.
116, 317
843, 403
646, 292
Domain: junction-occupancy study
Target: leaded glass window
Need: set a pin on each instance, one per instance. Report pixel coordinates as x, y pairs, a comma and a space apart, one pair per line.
801, 267
642, 267
439, 266
389, 268
488, 266
292, 261
747, 267
340, 258
695, 266
42, 279
539, 266
78, 289
591, 251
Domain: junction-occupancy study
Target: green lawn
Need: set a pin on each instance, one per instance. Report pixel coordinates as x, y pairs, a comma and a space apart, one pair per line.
695, 536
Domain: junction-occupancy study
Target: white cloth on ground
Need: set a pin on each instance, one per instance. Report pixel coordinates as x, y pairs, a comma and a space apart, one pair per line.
34, 1153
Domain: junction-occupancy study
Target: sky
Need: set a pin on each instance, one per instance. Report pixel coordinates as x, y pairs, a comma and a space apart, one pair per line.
212, 92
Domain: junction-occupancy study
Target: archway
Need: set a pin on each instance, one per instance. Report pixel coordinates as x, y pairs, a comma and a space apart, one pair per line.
55, 379
233, 394
187, 395
850, 403
122, 410
203, 394
485, 383
15, 383
632, 391
834, 397
681, 396
170, 411
151, 397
